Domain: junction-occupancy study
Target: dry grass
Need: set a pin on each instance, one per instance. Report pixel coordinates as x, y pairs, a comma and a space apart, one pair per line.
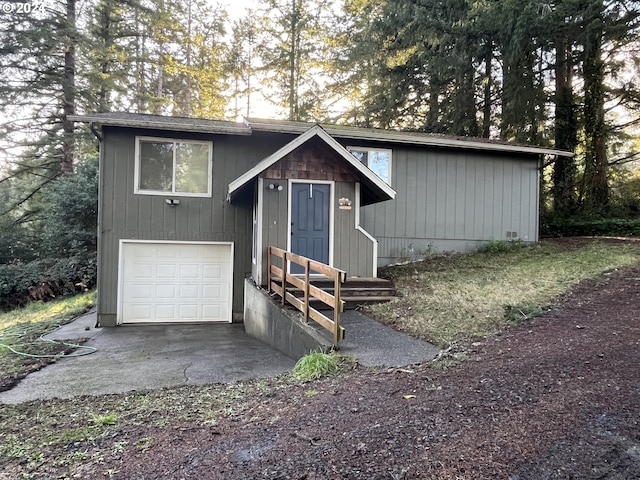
450, 298
58, 310
21, 349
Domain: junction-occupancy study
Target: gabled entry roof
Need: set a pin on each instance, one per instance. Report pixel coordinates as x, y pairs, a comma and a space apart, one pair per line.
374, 188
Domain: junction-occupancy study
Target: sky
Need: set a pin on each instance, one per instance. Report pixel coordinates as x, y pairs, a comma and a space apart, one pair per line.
236, 8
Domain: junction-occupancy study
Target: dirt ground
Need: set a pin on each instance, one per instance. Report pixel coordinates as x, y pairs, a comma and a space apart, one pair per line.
557, 397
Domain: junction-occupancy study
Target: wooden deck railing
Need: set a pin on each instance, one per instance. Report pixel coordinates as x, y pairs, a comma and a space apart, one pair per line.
280, 272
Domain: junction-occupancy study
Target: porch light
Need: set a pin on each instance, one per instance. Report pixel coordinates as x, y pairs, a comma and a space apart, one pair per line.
344, 204
275, 186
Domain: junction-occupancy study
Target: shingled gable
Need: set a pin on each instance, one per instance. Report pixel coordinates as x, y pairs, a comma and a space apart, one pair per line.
374, 188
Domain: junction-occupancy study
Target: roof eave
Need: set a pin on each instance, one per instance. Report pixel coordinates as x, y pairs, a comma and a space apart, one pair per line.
399, 137
168, 126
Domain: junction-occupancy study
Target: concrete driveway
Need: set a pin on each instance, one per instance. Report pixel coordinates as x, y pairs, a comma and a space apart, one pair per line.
144, 357
150, 357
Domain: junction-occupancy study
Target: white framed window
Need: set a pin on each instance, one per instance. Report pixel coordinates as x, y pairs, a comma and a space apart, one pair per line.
172, 166
377, 159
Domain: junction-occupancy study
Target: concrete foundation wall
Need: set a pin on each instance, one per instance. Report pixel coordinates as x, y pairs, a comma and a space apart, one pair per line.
283, 330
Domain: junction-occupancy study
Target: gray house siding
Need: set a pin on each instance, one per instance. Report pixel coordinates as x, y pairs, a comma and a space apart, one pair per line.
352, 250
451, 200
274, 219
129, 216
448, 199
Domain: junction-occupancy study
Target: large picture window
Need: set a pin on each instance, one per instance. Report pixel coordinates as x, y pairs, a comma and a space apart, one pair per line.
176, 167
379, 161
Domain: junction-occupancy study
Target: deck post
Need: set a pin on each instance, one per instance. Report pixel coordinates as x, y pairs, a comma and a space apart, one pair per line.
303, 283
284, 278
269, 253
337, 307
306, 291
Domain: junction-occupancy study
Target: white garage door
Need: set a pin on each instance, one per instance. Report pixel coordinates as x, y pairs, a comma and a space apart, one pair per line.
175, 282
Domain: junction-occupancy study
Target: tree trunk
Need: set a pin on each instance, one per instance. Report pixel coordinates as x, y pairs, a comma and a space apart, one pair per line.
564, 172
488, 84
107, 39
69, 89
596, 163
187, 103
292, 61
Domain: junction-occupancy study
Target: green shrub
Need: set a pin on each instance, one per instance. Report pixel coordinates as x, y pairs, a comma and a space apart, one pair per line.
501, 246
46, 279
583, 227
519, 313
317, 365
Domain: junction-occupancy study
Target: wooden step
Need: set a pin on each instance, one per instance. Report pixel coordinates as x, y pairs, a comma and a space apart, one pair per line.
357, 282
363, 292
354, 302
351, 303
355, 291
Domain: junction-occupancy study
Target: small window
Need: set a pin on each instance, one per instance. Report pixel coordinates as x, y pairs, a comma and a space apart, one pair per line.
379, 161
176, 167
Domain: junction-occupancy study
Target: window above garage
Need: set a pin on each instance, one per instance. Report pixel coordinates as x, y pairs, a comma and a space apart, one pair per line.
378, 160
172, 166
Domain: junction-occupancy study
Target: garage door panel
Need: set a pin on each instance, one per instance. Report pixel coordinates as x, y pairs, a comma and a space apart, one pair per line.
189, 292
165, 270
166, 291
140, 311
140, 292
213, 256
160, 251
143, 270
187, 312
213, 271
189, 271
165, 312
169, 282
212, 292
211, 311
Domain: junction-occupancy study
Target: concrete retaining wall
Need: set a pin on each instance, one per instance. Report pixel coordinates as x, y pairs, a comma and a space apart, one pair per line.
284, 330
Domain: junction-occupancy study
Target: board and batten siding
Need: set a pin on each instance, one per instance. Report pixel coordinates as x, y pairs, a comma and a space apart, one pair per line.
274, 220
454, 201
125, 215
352, 250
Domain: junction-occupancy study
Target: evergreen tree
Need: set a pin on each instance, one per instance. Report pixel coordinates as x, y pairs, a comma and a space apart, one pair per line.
241, 64
292, 52
38, 61
108, 54
566, 121
193, 57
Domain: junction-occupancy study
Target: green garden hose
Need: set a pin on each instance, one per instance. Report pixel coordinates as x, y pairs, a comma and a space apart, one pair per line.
82, 349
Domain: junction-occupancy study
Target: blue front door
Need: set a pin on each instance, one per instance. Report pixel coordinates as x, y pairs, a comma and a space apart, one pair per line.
310, 222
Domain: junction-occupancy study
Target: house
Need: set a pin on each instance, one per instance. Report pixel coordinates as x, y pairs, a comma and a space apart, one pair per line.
187, 207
